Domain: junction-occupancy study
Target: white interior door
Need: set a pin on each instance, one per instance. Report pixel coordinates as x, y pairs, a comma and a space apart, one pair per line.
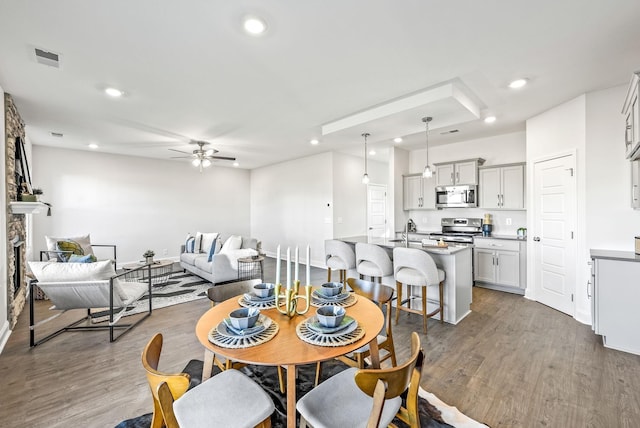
553, 236
376, 212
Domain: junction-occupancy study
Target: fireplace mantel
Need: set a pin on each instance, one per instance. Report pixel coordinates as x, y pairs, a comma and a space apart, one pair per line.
27, 207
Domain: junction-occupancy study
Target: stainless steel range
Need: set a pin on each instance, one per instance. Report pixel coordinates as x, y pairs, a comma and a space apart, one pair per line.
458, 230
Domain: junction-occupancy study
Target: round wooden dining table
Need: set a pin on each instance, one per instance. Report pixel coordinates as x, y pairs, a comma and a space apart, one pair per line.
286, 348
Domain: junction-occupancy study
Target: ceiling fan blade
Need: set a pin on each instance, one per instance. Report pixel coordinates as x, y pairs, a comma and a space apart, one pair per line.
180, 151
180, 157
222, 158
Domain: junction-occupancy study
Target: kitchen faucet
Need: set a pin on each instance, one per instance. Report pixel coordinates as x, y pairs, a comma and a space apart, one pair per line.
405, 235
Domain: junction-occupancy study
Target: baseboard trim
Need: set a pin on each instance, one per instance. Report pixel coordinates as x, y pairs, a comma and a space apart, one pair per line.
4, 335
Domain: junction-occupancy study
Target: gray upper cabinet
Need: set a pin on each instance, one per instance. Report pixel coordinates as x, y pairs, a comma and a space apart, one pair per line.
502, 187
458, 173
631, 112
418, 193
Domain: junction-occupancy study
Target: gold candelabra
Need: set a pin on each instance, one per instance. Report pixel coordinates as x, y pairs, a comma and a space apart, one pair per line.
291, 296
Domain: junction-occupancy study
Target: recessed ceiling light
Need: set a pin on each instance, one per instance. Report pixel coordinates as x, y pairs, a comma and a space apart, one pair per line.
113, 92
93, 146
372, 152
489, 119
254, 26
314, 142
518, 83
397, 140
236, 164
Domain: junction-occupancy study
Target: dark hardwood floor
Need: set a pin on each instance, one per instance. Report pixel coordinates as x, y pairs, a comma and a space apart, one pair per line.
511, 363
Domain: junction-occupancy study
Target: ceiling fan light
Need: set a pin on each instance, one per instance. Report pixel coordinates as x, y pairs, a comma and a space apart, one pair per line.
206, 163
195, 162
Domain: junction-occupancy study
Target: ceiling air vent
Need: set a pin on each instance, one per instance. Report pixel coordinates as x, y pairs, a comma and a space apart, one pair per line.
56, 134
451, 131
51, 59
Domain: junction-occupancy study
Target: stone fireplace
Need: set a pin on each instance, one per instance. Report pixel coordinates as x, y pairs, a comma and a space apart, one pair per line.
16, 223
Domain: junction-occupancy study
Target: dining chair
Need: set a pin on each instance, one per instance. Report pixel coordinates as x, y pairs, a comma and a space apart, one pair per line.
414, 267
229, 399
178, 383
378, 402
339, 256
372, 261
219, 294
347, 399
382, 295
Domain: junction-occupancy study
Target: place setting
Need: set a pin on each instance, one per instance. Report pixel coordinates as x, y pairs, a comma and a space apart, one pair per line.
331, 326
243, 328
332, 294
262, 297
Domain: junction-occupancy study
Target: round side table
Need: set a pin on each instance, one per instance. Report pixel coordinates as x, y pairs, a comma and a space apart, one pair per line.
250, 268
160, 272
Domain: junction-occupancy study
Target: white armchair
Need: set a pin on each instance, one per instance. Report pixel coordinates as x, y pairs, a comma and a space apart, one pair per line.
87, 286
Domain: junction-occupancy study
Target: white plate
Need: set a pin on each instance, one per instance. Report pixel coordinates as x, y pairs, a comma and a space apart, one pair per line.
314, 325
252, 297
343, 331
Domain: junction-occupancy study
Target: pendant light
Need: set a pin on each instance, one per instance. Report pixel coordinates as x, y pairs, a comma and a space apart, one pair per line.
365, 177
428, 172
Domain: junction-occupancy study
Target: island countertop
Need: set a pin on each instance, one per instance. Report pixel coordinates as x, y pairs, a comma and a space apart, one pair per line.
396, 242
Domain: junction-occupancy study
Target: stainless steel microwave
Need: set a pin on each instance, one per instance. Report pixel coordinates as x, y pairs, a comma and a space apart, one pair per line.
456, 196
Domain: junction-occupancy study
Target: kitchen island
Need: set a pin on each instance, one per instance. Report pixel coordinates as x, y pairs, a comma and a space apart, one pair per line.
455, 261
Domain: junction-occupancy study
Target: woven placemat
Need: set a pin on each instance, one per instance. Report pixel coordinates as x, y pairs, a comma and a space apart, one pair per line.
268, 304
349, 301
335, 339
235, 342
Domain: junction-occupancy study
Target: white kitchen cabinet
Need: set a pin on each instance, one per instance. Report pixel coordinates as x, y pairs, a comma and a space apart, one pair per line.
635, 184
614, 298
458, 173
502, 187
631, 112
418, 192
500, 264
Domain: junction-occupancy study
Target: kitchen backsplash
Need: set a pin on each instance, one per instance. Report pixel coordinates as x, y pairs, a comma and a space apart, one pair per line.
429, 221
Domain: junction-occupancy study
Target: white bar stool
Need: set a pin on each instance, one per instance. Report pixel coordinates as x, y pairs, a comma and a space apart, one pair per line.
372, 261
339, 256
414, 267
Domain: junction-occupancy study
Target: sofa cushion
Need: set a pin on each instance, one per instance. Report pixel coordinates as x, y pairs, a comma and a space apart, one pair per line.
249, 242
204, 264
190, 258
190, 244
234, 242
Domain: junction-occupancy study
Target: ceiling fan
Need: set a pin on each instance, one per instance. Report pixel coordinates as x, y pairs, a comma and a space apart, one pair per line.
200, 157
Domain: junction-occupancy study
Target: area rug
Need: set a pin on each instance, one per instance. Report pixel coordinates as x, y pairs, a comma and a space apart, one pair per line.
433, 412
180, 288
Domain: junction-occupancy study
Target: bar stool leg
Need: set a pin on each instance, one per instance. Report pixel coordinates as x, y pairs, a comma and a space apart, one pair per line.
424, 309
399, 300
441, 302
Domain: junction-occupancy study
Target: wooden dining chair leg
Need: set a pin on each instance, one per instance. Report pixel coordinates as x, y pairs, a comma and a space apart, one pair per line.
328, 274
283, 388
424, 309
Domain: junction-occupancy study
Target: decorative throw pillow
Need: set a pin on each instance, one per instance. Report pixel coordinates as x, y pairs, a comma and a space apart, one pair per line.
190, 244
197, 247
208, 241
83, 241
75, 249
214, 249
81, 259
234, 242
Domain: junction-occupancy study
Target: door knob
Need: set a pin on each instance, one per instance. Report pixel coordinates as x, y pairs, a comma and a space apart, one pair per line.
537, 239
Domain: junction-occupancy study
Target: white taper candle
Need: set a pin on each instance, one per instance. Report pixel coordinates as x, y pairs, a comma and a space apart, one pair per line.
308, 265
288, 267
297, 265
278, 265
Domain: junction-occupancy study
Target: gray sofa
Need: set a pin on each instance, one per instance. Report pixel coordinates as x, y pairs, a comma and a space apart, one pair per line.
223, 266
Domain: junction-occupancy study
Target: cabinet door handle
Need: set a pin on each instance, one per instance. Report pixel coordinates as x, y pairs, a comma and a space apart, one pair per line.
536, 238
588, 289
457, 177
452, 182
498, 199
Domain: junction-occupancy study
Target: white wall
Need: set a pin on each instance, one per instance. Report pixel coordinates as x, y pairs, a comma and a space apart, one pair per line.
4, 323
292, 204
136, 203
349, 196
559, 131
497, 150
